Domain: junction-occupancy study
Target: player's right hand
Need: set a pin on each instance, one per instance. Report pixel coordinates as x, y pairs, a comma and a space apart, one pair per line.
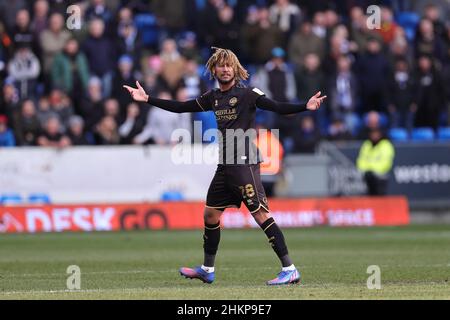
138, 94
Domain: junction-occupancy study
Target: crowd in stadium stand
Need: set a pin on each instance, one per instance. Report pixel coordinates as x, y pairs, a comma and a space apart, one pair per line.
63, 87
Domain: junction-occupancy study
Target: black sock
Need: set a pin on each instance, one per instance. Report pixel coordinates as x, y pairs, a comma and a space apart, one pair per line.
277, 241
211, 239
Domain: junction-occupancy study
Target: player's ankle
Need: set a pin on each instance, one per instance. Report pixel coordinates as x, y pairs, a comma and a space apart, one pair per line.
207, 269
288, 268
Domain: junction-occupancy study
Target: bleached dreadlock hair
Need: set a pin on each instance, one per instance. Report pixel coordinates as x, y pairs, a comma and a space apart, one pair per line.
225, 56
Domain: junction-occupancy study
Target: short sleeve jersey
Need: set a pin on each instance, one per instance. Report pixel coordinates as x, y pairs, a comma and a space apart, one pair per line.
235, 111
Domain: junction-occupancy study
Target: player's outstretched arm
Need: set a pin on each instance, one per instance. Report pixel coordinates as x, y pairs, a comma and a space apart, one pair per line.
288, 108
139, 94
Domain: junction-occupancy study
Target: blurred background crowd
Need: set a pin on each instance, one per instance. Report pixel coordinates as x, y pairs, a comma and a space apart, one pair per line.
63, 87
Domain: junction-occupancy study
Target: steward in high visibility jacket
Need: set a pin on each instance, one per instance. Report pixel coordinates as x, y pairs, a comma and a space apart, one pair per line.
375, 160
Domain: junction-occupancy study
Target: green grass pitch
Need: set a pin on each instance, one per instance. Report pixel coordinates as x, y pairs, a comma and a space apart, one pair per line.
414, 263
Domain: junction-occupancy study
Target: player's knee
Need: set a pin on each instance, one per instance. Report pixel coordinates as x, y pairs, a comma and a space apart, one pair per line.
212, 216
261, 215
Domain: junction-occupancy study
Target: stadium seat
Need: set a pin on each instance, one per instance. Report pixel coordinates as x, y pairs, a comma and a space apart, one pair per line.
208, 121
148, 28
10, 198
398, 134
422, 134
38, 198
408, 21
444, 133
288, 145
172, 196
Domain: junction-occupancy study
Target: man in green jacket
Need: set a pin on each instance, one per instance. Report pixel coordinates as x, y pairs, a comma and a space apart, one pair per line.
375, 161
70, 70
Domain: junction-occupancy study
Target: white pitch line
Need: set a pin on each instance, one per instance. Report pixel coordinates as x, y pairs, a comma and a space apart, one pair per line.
69, 291
122, 272
218, 269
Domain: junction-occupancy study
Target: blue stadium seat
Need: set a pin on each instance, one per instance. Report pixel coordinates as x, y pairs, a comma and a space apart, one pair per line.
398, 134
39, 198
408, 21
444, 134
172, 196
208, 121
422, 134
148, 28
10, 198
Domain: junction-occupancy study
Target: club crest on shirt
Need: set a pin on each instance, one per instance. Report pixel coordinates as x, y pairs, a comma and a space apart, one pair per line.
233, 101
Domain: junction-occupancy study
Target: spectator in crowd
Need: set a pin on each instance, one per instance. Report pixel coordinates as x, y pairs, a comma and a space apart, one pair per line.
401, 93
26, 124
98, 9
430, 94
70, 72
52, 40
338, 130
22, 35
372, 68
40, 17
307, 137
61, 106
111, 108
277, 81
92, 104
133, 124
170, 14
106, 132
388, 25
343, 94
192, 81
52, 135
374, 161
9, 98
372, 121
304, 42
101, 54
9, 10
261, 37
44, 110
124, 16
433, 14
6, 48
308, 79
153, 81
285, 15
359, 30
125, 75
6, 135
189, 46
24, 68
319, 25
247, 31
225, 30
129, 41
76, 133
308, 76
427, 43
399, 50
173, 64
161, 123
446, 60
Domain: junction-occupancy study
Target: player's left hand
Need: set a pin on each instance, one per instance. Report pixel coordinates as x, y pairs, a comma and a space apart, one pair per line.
315, 101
